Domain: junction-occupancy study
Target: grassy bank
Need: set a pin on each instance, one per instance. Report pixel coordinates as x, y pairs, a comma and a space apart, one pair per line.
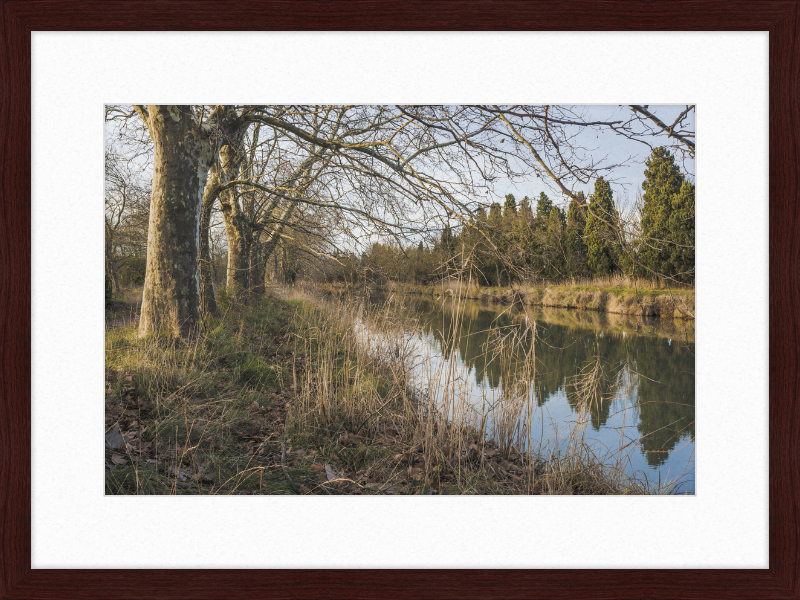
305, 397
616, 296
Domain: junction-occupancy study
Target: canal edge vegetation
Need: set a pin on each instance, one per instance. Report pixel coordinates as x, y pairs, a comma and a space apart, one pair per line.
280, 397
620, 295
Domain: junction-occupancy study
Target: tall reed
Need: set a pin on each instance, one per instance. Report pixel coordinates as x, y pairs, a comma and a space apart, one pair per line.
373, 374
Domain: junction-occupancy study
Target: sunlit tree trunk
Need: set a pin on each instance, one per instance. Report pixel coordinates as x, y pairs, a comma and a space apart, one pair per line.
240, 238
237, 226
208, 299
183, 153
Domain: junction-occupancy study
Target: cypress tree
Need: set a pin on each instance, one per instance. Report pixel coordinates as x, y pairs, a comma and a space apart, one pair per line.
543, 206
577, 252
599, 236
667, 218
480, 251
510, 206
523, 232
447, 236
554, 248
496, 235
525, 211
681, 231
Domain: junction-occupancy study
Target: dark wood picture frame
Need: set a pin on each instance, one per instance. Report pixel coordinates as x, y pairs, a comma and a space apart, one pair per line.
19, 17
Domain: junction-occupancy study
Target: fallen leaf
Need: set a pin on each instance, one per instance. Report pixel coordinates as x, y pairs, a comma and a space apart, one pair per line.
305, 490
329, 472
118, 459
316, 467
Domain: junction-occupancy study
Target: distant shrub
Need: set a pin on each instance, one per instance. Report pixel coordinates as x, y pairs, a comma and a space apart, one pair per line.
133, 271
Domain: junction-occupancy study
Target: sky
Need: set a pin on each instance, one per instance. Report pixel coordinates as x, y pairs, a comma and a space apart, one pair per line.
617, 149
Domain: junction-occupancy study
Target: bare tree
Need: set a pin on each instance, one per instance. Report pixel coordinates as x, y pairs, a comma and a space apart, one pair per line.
127, 203
280, 172
186, 143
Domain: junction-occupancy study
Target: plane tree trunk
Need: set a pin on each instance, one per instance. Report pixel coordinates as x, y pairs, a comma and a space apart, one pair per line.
237, 226
208, 298
184, 150
257, 265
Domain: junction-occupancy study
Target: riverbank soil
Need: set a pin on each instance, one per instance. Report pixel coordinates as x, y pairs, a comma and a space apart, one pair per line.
262, 402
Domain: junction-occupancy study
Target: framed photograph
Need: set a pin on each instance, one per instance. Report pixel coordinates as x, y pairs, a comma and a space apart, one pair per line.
253, 387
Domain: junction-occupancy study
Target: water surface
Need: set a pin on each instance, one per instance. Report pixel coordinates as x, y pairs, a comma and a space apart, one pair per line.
644, 408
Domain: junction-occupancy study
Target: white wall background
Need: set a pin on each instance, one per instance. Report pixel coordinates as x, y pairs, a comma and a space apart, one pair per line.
75, 525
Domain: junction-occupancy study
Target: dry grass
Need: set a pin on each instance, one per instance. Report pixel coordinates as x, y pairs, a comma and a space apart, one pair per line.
420, 428
329, 397
617, 295
198, 416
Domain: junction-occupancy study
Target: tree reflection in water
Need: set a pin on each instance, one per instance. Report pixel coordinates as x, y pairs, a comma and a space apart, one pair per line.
648, 363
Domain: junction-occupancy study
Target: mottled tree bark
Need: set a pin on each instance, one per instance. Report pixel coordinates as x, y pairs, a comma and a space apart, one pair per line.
237, 226
208, 298
183, 153
275, 236
257, 266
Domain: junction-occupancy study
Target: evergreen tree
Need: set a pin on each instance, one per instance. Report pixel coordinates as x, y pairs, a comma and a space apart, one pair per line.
557, 214
446, 239
667, 218
599, 236
577, 252
523, 233
543, 207
681, 231
540, 242
494, 262
510, 206
475, 244
554, 249
525, 211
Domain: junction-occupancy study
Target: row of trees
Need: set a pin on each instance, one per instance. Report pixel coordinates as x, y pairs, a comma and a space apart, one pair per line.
307, 184
588, 237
